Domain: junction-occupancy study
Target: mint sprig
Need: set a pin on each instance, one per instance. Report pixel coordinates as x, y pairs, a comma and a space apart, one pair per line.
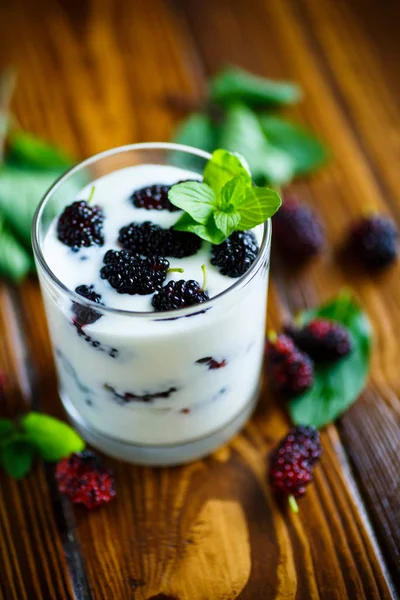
53, 439
17, 455
240, 115
35, 435
6, 429
233, 84
225, 201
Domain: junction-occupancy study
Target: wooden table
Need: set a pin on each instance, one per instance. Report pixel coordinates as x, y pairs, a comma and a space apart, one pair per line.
96, 74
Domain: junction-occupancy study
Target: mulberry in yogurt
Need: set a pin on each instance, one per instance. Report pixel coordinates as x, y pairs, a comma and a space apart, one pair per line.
158, 335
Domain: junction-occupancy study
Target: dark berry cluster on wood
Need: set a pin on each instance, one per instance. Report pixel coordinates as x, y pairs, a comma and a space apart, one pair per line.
85, 480
374, 241
322, 339
290, 370
292, 461
297, 232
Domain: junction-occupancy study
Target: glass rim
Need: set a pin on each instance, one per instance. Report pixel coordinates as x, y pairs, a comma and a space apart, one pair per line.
164, 315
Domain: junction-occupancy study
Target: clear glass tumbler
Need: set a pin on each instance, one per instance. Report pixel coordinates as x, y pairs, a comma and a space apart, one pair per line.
104, 385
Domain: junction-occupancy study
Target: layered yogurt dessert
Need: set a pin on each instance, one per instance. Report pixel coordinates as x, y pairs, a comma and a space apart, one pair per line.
159, 341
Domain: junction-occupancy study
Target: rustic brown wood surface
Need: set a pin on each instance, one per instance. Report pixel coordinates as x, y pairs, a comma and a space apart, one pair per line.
95, 74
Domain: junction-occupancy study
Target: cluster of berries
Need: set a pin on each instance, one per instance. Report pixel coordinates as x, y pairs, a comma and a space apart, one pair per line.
290, 356
299, 235
292, 463
85, 480
141, 267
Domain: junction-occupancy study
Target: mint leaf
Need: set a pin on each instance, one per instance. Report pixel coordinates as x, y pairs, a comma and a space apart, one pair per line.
233, 193
21, 189
227, 218
233, 84
197, 131
6, 429
245, 206
305, 150
195, 198
256, 206
222, 167
226, 202
53, 439
208, 232
26, 150
17, 454
15, 262
241, 132
337, 385
227, 221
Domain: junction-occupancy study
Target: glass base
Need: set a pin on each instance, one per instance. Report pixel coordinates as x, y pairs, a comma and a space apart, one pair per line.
158, 455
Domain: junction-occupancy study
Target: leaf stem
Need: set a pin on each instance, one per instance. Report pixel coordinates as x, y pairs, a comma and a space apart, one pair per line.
294, 507
175, 270
343, 303
91, 194
203, 287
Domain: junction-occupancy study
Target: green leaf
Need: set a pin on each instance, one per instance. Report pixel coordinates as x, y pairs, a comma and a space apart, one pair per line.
208, 232
222, 167
227, 222
233, 193
234, 200
6, 429
54, 439
26, 150
17, 454
227, 217
306, 151
195, 198
15, 262
21, 189
337, 385
258, 205
233, 84
198, 131
241, 132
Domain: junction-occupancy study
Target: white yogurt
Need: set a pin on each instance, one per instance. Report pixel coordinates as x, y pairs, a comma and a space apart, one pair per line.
137, 379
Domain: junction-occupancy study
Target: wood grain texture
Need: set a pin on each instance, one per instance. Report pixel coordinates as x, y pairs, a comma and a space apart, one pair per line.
349, 102
32, 561
95, 74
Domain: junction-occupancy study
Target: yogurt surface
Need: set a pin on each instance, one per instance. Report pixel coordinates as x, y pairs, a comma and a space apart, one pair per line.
112, 192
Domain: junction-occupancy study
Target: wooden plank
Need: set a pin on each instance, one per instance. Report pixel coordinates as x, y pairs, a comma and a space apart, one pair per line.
339, 193
372, 107
94, 76
32, 561
329, 117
